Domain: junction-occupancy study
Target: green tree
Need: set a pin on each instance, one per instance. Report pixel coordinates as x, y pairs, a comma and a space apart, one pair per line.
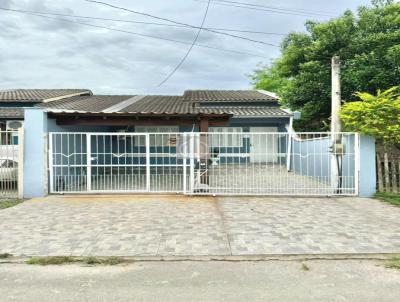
268, 78
367, 42
378, 116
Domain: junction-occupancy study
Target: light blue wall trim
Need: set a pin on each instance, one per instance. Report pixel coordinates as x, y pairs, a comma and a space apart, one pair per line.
367, 166
313, 158
35, 174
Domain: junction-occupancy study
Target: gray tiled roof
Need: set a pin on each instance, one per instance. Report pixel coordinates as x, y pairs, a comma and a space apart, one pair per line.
37, 95
154, 104
229, 96
148, 104
11, 112
161, 104
91, 103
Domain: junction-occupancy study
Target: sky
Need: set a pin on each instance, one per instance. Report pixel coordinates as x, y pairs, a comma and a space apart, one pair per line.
38, 52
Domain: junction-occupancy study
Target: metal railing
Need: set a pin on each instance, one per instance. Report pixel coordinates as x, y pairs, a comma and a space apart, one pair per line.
239, 163
9, 164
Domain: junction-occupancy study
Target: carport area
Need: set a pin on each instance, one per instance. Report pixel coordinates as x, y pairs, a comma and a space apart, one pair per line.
195, 226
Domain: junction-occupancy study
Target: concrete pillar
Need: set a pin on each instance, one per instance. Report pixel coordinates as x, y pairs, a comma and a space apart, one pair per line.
35, 153
367, 177
204, 123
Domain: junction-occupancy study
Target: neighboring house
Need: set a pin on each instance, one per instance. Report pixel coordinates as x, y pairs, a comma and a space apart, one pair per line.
13, 101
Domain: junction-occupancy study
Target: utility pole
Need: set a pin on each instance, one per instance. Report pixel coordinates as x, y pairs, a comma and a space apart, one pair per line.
337, 147
336, 126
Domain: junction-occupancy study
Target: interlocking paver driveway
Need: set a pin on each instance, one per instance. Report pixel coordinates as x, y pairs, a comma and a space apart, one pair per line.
178, 225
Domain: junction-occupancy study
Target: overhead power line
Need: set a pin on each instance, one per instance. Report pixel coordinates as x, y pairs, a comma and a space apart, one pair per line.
248, 31
271, 9
134, 33
179, 23
190, 48
296, 10
149, 23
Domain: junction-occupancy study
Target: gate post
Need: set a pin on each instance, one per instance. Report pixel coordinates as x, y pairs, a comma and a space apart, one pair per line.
192, 163
367, 177
35, 153
21, 144
184, 154
88, 162
148, 171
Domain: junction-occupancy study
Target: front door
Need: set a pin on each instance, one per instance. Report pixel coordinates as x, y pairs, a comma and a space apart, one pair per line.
263, 145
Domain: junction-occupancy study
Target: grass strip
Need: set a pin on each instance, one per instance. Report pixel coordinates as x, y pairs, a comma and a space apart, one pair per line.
391, 198
61, 260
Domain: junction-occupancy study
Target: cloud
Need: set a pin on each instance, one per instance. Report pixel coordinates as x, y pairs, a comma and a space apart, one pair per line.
6, 3
48, 53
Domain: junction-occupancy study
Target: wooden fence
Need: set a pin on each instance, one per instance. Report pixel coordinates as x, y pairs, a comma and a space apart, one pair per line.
388, 170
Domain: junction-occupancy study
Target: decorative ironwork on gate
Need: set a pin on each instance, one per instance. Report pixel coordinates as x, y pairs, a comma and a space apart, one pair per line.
212, 163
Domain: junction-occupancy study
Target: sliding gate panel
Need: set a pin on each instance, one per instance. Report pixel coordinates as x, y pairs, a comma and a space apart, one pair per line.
116, 162
272, 163
98, 162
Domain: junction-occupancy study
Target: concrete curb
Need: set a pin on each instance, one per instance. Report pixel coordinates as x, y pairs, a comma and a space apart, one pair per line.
297, 257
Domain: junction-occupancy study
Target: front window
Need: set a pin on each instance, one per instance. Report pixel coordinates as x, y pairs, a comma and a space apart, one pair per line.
160, 135
225, 137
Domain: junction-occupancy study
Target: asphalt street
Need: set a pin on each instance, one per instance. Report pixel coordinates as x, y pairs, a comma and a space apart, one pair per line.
329, 280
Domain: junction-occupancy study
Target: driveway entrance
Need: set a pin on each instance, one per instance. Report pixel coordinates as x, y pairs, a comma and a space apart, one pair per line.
182, 226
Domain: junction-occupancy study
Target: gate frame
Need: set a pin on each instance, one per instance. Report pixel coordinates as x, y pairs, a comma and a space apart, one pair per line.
188, 188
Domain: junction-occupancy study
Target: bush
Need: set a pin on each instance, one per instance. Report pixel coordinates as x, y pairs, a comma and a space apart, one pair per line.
378, 116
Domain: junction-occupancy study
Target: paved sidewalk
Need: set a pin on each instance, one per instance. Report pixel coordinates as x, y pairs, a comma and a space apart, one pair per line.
179, 225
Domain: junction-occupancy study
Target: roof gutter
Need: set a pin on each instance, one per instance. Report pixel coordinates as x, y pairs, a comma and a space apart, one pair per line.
60, 112
263, 116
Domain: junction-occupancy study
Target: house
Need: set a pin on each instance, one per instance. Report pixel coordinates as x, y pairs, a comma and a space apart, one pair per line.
119, 124
218, 142
199, 110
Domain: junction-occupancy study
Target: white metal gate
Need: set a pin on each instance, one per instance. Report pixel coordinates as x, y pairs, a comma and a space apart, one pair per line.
239, 163
115, 162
